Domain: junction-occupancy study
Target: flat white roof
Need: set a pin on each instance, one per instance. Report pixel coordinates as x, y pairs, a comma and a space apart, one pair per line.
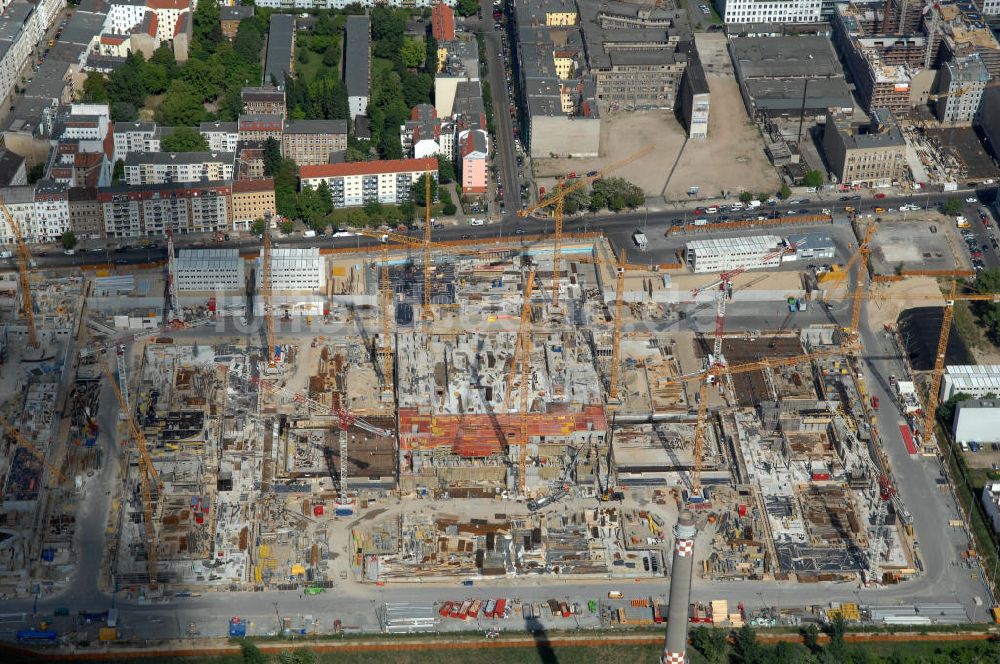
761, 243
206, 254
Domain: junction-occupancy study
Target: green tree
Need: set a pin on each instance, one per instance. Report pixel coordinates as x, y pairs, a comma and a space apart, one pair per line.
285, 194
449, 209
286, 226
155, 78
810, 637
746, 197
574, 201
430, 54
302, 56
408, 211
746, 648
373, 209
952, 206
417, 88
413, 53
272, 156
446, 170
331, 56
164, 56
126, 83
813, 179
711, 643
123, 111
95, 89
418, 191
988, 281
258, 226
183, 106
784, 192
354, 154
36, 173
946, 411
251, 653
184, 139
467, 7
249, 41
69, 240
206, 33
119, 172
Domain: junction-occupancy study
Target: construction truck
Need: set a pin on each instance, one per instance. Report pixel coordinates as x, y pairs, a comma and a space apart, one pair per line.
237, 627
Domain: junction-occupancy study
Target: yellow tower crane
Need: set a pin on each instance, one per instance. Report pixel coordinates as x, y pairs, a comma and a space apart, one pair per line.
933, 399
558, 197
851, 339
24, 272
712, 374
522, 360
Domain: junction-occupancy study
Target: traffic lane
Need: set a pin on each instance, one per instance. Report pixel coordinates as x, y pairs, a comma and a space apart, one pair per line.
984, 233
929, 505
504, 135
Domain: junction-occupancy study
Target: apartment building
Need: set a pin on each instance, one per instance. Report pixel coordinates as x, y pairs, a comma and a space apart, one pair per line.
473, 162
252, 200
880, 81
152, 209
139, 137
871, 156
772, 11
258, 127
962, 84
309, 142
85, 213
230, 18
51, 218
356, 183
423, 136
344, 4
20, 202
12, 171
266, 100
357, 63
177, 167
220, 136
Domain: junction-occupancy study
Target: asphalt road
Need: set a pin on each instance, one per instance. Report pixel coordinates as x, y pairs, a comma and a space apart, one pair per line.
503, 137
617, 226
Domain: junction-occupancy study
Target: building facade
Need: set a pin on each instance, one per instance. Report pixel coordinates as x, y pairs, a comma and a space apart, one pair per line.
295, 269
220, 136
51, 218
260, 127
753, 252
151, 210
129, 137
210, 270
869, 157
266, 100
755, 11
963, 81
977, 380
166, 167
357, 183
309, 142
695, 99
85, 213
252, 200
473, 162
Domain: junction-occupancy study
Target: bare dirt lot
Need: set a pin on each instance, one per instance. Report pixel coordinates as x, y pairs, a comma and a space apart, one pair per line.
622, 135
731, 158
917, 241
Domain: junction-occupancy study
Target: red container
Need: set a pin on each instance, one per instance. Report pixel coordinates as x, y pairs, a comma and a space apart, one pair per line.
317, 510
742, 510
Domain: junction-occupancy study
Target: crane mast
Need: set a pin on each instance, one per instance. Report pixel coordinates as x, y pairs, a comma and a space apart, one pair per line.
24, 272
265, 290
174, 308
428, 283
522, 351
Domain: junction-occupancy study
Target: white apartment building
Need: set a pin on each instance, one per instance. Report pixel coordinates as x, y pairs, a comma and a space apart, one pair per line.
41, 211
210, 270
221, 136
753, 11
123, 15
976, 380
135, 137
294, 269
356, 183
168, 12
754, 252
51, 218
163, 167
990, 7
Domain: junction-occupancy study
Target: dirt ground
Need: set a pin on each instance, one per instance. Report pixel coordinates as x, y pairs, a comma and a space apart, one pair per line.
622, 135
888, 300
731, 158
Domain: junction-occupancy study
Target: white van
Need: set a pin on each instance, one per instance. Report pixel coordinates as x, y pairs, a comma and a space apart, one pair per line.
476, 222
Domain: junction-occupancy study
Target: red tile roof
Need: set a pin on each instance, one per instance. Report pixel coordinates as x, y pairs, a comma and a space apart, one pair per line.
443, 22
369, 168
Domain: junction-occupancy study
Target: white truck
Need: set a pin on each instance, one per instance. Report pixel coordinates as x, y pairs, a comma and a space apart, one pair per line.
753, 205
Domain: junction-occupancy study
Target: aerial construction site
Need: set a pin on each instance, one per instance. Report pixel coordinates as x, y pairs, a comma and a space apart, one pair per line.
415, 411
